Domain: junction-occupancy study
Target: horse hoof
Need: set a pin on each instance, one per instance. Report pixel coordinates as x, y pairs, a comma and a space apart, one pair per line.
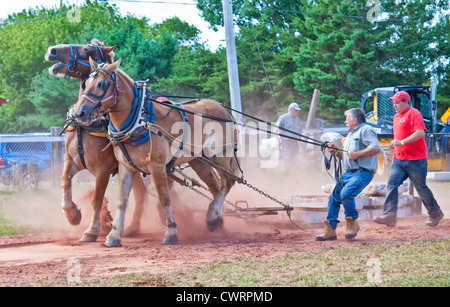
88, 238
73, 218
214, 224
113, 242
170, 240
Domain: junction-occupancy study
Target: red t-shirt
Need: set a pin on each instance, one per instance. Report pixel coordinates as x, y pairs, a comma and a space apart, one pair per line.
404, 125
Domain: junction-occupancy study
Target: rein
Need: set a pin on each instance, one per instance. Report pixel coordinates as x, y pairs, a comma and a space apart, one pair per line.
302, 139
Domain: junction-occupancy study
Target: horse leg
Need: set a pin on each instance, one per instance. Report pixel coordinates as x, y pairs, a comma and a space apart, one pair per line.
174, 198
73, 214
207, 175
162, 187
101, 182
214, 216
126, 181
140, 197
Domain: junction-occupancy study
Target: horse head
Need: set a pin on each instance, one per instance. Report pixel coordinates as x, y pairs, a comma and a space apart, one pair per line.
100, 92
73, 59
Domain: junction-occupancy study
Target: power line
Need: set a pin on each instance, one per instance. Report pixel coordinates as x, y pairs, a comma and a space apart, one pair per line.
151, 2
187, 3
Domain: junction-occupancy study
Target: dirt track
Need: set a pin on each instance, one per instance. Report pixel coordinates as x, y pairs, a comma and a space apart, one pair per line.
40, 258
31, 260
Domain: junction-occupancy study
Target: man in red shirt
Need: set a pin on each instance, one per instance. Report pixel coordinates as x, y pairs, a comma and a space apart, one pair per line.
410, 161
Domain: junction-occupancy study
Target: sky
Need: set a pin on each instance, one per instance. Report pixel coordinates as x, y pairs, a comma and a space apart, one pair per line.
155, 10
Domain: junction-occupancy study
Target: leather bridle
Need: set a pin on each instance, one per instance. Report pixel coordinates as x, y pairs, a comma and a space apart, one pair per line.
77, 59
97, 100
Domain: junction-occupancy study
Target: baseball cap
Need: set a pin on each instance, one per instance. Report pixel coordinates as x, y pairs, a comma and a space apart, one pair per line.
294, 105
400, 96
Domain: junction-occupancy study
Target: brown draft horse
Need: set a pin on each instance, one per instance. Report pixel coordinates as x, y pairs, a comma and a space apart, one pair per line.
109, 89
99, 162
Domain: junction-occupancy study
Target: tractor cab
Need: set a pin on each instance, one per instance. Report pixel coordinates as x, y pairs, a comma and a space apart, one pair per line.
380, 110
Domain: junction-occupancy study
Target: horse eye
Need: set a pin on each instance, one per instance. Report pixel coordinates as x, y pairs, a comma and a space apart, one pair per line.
103, 84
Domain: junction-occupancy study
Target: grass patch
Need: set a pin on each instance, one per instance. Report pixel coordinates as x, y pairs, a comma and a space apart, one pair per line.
417, 264
7, 229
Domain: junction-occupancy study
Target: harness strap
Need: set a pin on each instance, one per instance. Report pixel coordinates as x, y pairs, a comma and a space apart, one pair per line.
200, 158
129, 160
134, 121
74, 61
180, 147
80, 145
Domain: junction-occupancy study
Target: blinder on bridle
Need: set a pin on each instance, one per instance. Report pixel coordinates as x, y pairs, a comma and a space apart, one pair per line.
77, 59
97, 100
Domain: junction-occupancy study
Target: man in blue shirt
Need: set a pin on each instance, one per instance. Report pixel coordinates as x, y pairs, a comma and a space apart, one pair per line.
360, 163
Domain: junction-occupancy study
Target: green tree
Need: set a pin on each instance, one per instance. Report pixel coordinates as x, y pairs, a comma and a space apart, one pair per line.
331, 45
344, 56
24, 39
267, 41
197, 72
143, 57
51, 97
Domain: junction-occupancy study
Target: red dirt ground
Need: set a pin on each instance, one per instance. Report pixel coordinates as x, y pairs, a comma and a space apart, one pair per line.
36, 259
40, 258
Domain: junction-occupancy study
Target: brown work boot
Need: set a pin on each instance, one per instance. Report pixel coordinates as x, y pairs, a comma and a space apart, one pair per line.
433, 222
328, 233
352, 228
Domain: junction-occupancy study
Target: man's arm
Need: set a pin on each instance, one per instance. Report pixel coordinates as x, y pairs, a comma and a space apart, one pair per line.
367, 152
417, 135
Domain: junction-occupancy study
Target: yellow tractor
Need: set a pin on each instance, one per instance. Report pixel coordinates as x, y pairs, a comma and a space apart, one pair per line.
380, 114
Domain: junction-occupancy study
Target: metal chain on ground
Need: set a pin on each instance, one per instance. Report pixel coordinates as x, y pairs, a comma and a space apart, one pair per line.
197, 183
234, 205
244, 182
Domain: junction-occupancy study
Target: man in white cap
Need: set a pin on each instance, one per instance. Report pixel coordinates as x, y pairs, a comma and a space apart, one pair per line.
290, 148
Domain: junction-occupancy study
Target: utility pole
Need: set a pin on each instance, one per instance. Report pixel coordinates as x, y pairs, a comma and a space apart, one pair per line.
233, 74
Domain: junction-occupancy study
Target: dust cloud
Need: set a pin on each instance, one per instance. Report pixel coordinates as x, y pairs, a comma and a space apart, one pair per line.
40, 211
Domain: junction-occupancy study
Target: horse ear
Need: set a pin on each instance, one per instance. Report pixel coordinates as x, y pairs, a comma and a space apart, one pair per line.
94, 64
111, 68
107, 50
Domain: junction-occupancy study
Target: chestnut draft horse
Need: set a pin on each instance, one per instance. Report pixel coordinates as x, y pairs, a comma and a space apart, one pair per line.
141, 148
85, 145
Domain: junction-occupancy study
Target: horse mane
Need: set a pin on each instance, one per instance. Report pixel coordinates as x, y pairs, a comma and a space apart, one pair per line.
98, 42
125, 75
110, 56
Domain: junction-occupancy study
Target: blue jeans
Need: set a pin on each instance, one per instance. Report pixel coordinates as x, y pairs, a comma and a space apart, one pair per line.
345, 191
417, 172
